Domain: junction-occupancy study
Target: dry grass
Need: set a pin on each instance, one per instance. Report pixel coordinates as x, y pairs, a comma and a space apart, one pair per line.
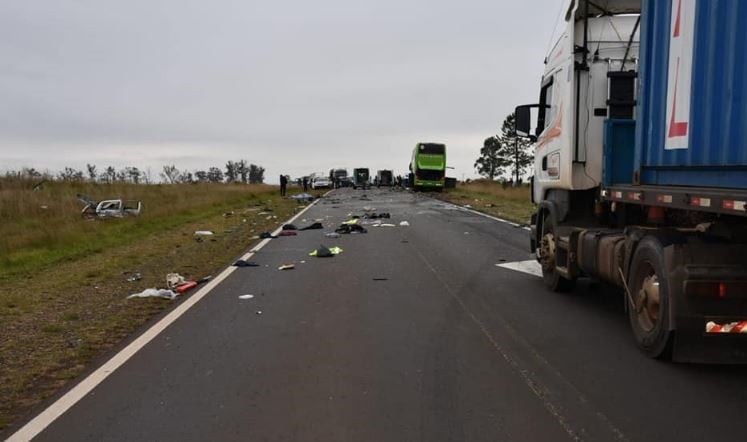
509, 203
63, 280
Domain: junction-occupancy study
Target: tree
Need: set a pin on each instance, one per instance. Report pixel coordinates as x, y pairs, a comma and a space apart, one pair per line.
231, 171
108, 175
201, 176
493, 158
521, 157
215, 175
91, 172
256, 174
70, 174
170, 174
242, 170
134, 174
185, 177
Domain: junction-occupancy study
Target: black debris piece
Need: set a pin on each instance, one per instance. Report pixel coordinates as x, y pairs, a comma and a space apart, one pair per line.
266, 235
323, 252
289, 227
314, 226
242, 263
350, 228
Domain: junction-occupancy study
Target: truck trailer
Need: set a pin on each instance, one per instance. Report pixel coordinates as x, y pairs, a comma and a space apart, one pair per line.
640, 169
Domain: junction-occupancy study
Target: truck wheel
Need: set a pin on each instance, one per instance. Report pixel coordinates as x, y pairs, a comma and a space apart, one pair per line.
649, 288
552, 279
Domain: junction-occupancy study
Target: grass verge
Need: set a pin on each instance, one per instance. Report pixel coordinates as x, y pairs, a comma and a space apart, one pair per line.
510, 203
64, 280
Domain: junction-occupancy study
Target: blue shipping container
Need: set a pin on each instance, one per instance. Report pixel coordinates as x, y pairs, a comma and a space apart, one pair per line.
715, 152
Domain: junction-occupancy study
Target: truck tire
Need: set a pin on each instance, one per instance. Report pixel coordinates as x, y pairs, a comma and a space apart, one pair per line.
649, 289
552, 279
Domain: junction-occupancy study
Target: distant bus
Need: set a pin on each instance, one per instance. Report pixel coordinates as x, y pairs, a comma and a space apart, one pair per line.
428, 166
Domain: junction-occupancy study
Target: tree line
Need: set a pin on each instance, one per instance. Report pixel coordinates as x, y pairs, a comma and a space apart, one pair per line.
505, 155
235, 172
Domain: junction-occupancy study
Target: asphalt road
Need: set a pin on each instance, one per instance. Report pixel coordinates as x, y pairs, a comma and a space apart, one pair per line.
411, 334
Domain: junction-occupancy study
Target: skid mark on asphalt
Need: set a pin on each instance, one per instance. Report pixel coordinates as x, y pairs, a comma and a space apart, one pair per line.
530, 267
548, 399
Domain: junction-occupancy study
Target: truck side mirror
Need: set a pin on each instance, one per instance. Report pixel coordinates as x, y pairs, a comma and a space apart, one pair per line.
523, 120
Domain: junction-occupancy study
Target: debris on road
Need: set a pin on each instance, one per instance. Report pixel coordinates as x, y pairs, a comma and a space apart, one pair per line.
266, 235
404, 223
243, 263
154, 293
314, 226
246, 296
332, 235
324, 252
287, 233
289, 227
287, 267
350, 228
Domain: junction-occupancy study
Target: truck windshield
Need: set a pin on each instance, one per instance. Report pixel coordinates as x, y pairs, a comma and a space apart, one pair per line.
432, 148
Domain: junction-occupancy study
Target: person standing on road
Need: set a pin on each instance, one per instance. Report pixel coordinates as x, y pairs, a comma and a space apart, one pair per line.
305, 184
283, 185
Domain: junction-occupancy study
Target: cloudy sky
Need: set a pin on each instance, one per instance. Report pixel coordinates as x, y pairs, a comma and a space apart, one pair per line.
295, 86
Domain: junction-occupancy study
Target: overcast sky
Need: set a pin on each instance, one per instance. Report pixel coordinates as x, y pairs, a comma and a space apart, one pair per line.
295, 86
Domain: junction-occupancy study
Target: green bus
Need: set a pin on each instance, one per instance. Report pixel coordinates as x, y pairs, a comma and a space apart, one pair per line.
428, 166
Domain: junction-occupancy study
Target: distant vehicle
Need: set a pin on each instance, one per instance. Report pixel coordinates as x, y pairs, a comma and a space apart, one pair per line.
361, 178
339, 177
321, 182
384, 178
428, 166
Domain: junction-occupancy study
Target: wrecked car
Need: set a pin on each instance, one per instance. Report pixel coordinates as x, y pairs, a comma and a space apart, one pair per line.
114, 208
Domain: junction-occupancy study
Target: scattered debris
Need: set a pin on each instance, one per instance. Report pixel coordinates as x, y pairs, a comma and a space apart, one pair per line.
266, 235
258, 312
350, 228
135, 277
303, 197
204, 233
243, 263
381, 279
154, 293
369, 208
246, 296
287, 267
287, 233
188, 285
315, 226
324, 252
377, 215
388, 225
173, 280
204, 279
332, 235
289, 227
404, 224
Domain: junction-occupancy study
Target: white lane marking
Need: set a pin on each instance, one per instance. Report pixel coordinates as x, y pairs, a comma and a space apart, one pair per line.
531, 267
61, 405
495, 218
